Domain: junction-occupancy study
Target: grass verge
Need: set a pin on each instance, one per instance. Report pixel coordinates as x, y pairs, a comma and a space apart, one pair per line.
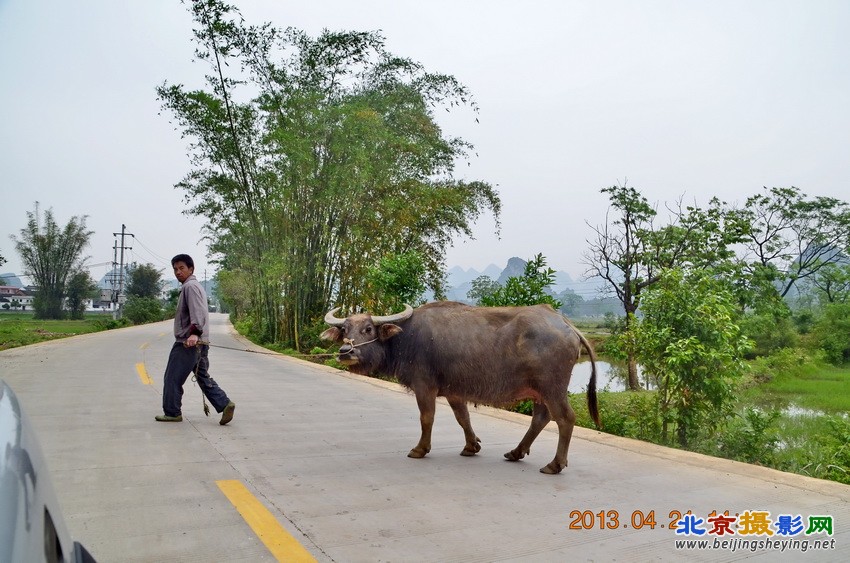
21, 329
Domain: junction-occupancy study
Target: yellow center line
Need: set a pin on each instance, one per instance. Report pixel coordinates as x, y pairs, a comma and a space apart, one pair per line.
144, 346
279, 542
143, 374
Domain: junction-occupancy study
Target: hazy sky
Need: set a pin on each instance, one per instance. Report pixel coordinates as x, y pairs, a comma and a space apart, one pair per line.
679, 98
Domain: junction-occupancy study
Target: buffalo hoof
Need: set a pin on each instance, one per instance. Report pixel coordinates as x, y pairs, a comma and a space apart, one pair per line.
418, 453
552, 469
514, 455
473, 449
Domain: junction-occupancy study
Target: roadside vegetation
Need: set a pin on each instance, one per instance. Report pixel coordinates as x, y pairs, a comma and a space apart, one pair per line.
22, 329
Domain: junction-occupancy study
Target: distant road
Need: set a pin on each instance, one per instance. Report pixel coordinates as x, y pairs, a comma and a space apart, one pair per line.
315, 460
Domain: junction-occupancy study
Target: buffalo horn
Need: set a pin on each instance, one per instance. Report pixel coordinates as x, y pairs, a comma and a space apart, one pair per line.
331, 319
408, 311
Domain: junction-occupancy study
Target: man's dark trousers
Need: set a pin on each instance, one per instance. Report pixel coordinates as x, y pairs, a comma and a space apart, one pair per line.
182, 362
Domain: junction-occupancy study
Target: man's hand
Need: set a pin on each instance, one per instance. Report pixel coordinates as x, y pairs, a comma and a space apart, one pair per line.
192, 341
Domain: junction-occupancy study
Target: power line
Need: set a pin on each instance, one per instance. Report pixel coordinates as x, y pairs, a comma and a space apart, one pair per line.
152, 253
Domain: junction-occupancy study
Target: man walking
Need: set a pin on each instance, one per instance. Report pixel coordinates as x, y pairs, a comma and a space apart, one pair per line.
191, 327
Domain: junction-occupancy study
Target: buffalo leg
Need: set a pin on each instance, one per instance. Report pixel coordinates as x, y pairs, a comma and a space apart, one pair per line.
473, 444
540, 417
427, 401
565, 417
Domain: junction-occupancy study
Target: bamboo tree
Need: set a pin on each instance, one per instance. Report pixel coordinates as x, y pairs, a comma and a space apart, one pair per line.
51, 254
335, 163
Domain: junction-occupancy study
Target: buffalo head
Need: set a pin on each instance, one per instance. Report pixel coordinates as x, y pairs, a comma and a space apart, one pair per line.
363, 337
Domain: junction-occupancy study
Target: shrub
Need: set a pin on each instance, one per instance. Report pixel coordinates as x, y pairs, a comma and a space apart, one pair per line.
750, 437
769, 332
822, 452
109, 324
832, 332
632, 414
785, 360
141, 310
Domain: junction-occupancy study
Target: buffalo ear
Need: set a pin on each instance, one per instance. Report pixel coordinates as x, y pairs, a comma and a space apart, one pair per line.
388, 330
333, 333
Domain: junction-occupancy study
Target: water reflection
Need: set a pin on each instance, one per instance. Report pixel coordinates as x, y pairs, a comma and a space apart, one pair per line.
609, 376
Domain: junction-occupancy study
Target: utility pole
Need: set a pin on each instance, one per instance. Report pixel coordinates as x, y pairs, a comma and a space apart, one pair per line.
119, 298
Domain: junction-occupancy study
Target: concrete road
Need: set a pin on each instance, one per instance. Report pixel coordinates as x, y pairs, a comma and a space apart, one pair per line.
314, 466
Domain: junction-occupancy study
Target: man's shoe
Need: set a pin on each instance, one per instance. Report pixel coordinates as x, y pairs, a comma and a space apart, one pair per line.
166, 418
227, 413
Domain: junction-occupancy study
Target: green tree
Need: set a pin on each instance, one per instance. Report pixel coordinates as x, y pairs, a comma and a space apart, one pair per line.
832, 283
81, 287
397, 280
144, 281
482, 286
832, 332
170, 306
571, 302
792, 237
689, 339
528, 289
234, 290
316, 158
50, 254
630, 252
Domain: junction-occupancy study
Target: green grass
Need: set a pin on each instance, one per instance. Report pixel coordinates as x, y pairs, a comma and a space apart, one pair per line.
794, 379
20, 329
817, 387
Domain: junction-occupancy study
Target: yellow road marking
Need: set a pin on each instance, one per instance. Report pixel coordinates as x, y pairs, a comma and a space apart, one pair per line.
144, 346
143, 374
279, 542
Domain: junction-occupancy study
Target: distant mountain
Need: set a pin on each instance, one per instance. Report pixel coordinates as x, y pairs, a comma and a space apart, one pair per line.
459, 280
514, 269
457, 276
563, 279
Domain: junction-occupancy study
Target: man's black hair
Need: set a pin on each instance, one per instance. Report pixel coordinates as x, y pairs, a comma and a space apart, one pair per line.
185, 258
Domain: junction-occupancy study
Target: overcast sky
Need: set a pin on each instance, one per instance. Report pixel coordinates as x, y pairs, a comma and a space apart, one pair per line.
678, 98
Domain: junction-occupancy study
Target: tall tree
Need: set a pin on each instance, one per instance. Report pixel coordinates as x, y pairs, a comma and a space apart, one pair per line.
690, 339
792, 237
335, 163
144, 280
51, 254
630, 252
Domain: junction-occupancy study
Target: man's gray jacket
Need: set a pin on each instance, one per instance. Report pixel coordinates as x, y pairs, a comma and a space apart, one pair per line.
192, 316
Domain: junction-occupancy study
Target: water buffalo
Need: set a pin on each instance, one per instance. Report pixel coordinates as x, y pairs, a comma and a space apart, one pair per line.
487, 355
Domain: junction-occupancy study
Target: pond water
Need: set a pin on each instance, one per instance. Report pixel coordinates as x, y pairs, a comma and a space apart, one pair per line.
610, 377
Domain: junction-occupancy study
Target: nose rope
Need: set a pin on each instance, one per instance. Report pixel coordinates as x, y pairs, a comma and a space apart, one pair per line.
272, 353
351, 343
